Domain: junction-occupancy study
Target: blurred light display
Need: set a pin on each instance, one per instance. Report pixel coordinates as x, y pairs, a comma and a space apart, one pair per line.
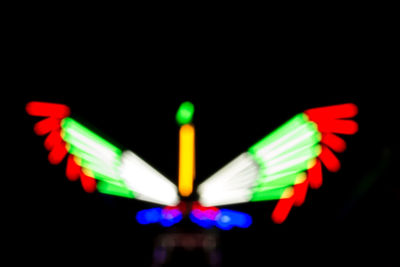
280, 167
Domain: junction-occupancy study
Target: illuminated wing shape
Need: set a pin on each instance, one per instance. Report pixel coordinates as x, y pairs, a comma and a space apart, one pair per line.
95, 161
283, 164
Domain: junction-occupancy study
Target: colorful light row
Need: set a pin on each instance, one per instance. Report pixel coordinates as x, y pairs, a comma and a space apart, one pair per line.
283, 164
224, 219
166, 216
97, 163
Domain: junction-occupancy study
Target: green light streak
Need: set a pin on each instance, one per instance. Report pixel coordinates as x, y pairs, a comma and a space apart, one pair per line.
76, 133
306, 153
107, 178
303, 147
101, 172
286, 129
272, 193
185, 113
114, 189
279, 180
93, 158
285, 153
306, 139
106, 169
304, 135
274, 176
82, 147
297, 165
94, 153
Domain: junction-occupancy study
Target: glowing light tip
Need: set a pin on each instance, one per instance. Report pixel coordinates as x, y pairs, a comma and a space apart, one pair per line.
185, 113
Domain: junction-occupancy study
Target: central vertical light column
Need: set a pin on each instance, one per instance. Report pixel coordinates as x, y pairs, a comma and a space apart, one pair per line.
186, 171
186, 159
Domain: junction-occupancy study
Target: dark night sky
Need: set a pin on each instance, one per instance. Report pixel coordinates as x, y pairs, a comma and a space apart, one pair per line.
130, 96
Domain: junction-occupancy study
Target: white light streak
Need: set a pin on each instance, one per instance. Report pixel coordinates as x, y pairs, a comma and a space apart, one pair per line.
146, 182
301, 161
232, 184
310, 149
88, 145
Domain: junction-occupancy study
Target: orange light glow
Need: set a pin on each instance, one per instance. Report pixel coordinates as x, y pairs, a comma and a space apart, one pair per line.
186, 159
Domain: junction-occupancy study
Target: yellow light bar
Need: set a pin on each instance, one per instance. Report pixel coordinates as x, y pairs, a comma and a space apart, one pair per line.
186, 159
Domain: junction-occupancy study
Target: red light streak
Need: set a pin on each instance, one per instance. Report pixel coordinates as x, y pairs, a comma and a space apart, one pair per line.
58, 153
197, 206
338, 126
88, 183
282, 209
43, 109
329, 159
300, 192
52, 139
47, 125
314, 175
332, 112
72, 170
334, 142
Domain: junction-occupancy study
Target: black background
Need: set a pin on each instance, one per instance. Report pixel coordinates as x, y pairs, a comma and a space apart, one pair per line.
128, 91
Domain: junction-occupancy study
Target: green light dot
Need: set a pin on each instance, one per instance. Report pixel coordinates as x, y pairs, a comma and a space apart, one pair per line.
185, 113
